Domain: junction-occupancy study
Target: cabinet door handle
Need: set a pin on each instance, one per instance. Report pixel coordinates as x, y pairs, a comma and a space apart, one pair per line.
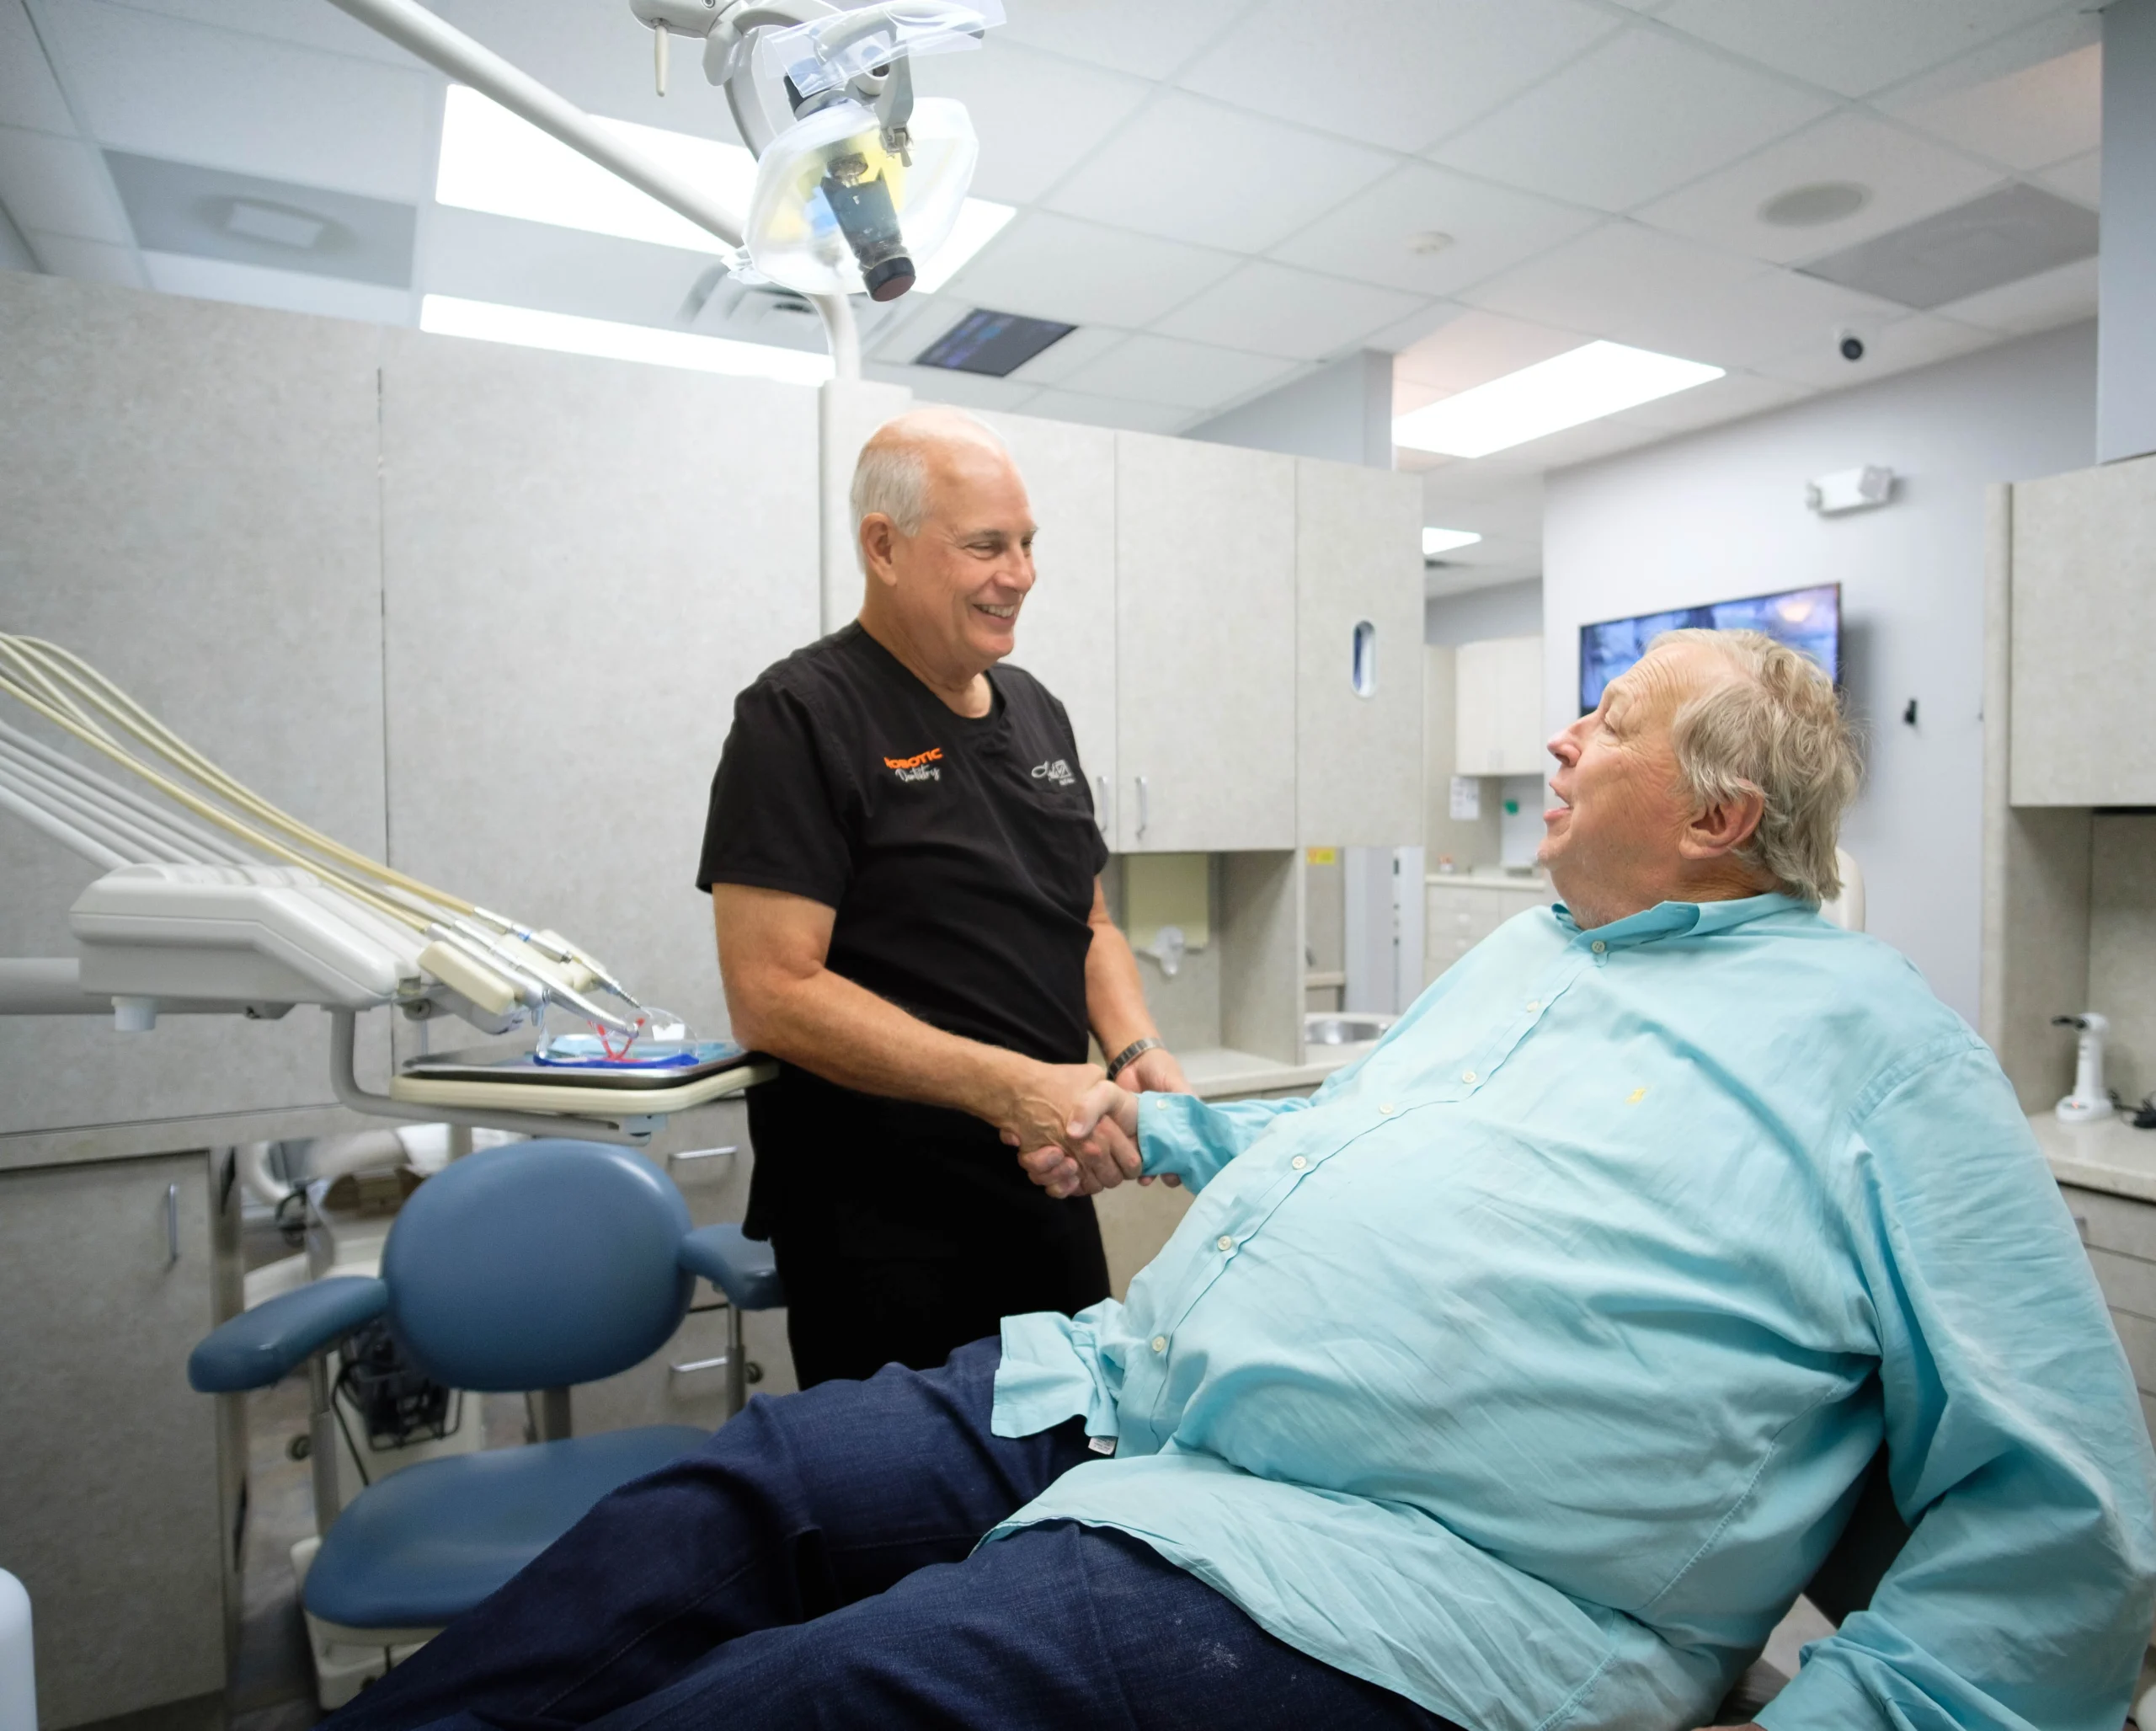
172, 1223
1100, 801
688, 1154
1144, 811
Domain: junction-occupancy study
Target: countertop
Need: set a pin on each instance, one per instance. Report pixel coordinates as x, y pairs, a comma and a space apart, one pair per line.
1221, 1073
2105, 1154
1487, 878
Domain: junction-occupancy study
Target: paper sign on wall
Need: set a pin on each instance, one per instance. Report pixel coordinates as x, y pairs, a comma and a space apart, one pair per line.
1466, 799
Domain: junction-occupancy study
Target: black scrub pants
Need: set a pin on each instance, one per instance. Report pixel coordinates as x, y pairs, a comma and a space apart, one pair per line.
848, 1315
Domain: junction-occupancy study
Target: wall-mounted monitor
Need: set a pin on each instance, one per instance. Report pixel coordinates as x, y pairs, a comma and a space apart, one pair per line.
1806, 619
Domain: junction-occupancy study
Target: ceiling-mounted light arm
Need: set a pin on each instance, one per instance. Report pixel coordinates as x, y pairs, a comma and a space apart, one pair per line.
411, 27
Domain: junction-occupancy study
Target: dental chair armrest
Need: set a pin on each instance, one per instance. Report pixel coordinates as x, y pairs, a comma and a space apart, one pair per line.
258, 1346
744, 1270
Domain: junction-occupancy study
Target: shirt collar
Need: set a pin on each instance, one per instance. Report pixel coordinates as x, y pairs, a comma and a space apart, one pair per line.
1672, 919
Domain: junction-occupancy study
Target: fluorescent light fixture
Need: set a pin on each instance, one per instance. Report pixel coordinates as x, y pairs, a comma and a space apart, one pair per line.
529, 328
979, 222
1580, 386
494, 162
1438, 541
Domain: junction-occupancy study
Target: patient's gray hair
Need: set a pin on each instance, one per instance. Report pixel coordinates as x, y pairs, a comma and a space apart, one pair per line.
891, 479
1778, 730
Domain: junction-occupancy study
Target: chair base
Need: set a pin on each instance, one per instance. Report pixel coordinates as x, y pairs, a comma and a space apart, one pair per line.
346, 1660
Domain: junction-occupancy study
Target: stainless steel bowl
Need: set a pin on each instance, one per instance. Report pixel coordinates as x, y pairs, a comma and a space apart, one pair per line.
1346, 1030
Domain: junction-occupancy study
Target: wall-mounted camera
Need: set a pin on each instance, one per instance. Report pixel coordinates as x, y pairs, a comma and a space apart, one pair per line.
1849, 345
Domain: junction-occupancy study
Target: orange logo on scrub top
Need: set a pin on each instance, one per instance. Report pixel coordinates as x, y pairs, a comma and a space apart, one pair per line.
918, 767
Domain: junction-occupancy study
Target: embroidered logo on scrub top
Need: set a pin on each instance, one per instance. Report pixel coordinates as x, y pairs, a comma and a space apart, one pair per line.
1057, 772
918, 767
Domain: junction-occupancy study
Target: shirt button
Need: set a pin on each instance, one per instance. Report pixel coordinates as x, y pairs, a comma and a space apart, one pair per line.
1224, 1242
1532, 1005
1300, 1163
1387, 1110
1467, 1075
1160, 1342
1599, 946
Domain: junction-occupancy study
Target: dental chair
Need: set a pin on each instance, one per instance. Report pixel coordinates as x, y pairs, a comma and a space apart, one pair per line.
528, 1267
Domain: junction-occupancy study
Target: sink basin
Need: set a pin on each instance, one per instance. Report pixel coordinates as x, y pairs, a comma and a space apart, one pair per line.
1345, 1030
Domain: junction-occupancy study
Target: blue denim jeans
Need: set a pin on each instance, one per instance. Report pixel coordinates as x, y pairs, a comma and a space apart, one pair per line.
813, 1564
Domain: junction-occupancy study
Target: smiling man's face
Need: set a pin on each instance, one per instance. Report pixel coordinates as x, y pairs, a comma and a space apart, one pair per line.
1613, 839
962, 579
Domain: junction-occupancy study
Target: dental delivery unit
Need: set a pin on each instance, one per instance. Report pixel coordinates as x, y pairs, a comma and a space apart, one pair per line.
214, 900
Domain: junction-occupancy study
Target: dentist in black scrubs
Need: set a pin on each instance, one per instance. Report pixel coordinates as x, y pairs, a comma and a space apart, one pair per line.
904, 871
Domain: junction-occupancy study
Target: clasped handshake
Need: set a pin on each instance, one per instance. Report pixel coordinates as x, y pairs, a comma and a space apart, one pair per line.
1076, 1132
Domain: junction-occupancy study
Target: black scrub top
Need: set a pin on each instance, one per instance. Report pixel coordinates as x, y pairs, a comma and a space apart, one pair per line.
959, 856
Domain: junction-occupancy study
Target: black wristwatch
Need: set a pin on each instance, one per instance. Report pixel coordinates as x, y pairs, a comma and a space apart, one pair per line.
1130, 1055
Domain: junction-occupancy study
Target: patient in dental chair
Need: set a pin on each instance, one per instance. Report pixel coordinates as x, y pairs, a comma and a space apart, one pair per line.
1520, 1377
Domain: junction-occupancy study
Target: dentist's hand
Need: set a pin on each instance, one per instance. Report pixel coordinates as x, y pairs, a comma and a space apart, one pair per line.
1036, 1103
1099, 1148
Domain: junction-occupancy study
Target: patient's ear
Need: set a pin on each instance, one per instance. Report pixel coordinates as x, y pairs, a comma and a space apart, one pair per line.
1721, 826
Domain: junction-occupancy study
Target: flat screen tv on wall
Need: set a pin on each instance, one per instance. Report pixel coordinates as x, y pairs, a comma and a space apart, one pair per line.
1806, 619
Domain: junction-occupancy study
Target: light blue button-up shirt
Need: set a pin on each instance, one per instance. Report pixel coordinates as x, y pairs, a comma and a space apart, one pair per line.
1529, 1368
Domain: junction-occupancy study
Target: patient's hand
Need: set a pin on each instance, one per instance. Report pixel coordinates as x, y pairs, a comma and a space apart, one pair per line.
1099, 1150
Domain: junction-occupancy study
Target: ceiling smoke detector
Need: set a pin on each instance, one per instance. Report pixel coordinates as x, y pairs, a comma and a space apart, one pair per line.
1428, 240
1815, 206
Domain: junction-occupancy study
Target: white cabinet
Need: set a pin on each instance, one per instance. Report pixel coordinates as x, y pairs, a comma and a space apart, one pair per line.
1066, 629
1205, 647
1498, 726
1358, 655
1458, 913
2083, 610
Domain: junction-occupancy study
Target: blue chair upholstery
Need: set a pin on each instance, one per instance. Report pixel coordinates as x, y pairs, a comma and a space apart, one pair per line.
426, 1544
536, 1265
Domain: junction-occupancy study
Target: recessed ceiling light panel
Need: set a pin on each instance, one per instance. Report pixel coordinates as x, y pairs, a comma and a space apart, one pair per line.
1815, 206
1582, 385
994, 344
1436, 541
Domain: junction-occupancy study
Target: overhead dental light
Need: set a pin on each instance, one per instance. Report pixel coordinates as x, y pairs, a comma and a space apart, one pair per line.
865, 179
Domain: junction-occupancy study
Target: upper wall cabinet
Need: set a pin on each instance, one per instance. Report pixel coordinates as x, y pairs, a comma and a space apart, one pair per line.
1205, 647
1358, 655
2083, 602
1066, 629
1497, 728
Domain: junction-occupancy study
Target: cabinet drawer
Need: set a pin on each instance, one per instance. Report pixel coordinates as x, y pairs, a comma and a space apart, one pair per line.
2137, 1335
2129, 1283
2108, 1222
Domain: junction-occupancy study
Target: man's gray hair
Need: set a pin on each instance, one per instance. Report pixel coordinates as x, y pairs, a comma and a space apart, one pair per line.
1777, 731
891, 479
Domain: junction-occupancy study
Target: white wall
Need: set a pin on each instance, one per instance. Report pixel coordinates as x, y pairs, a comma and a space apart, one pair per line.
1722, 514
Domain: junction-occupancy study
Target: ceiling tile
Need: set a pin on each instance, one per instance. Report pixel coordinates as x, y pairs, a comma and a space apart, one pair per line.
1141, 36
89, 260
1277, 311
912, 322
1054, 267
480, 256
1401, 73
1908, 177
967, 390
287, 290
1730, 397
1618, 276
1766, 315
317, 26
1068, 354
1192, 170
1038, 115
1492, 227
596, 54
30, 95
1491, 500
1416, 327
1917, 340
2039, 303
1150, 369
2080, 179
1852, 47
162, 87
1107, 412
1637, 117
2031, 119
1474, 349
58, 185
